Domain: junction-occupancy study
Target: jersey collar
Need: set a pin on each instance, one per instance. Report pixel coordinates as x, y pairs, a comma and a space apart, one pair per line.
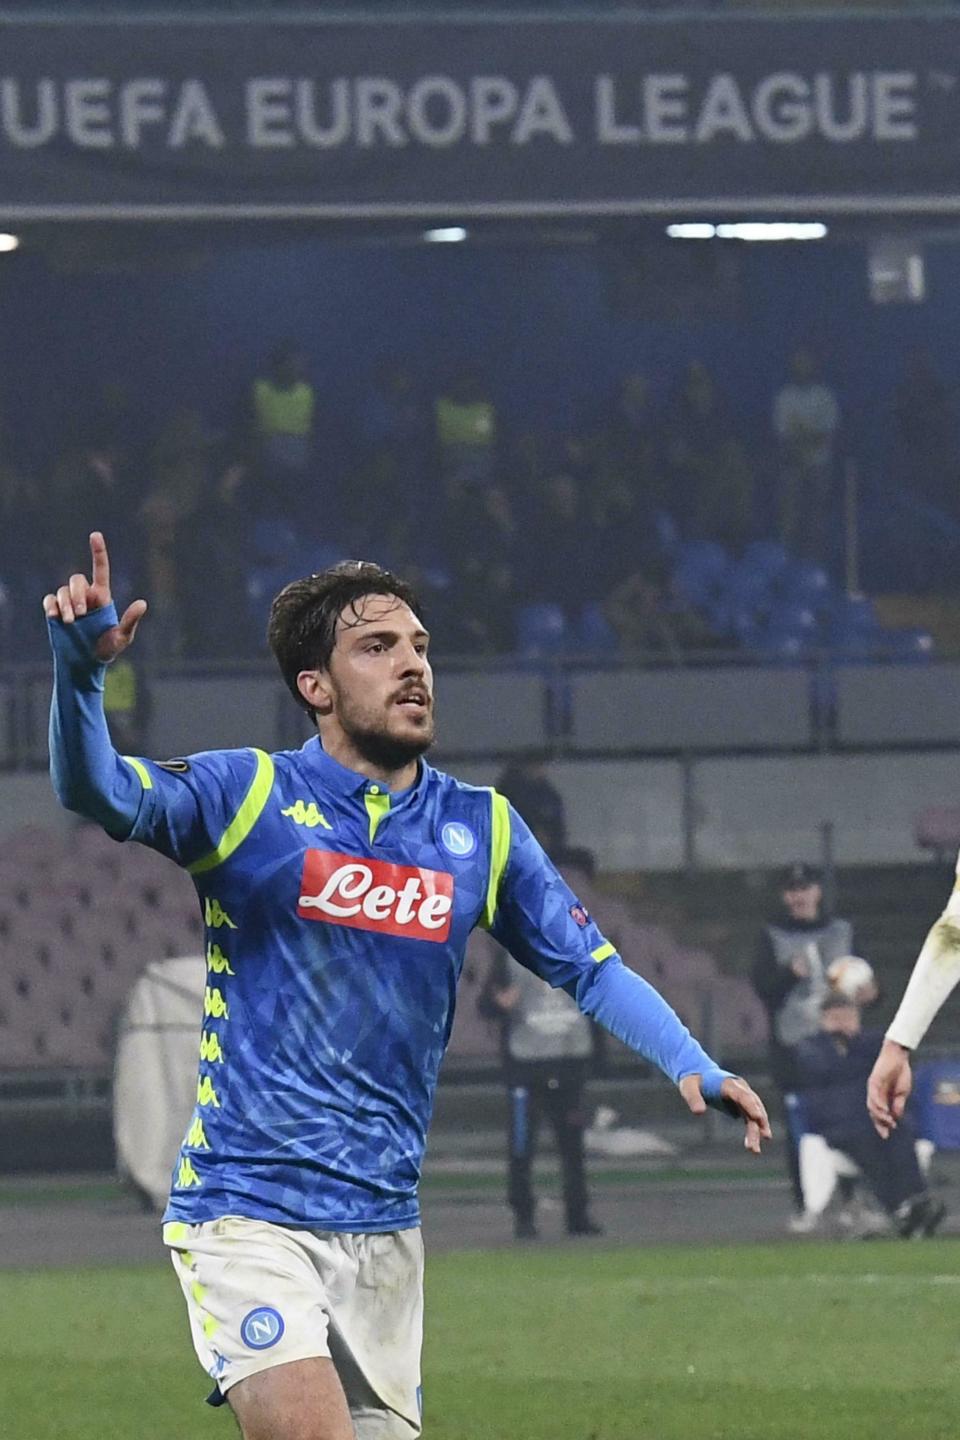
349, 783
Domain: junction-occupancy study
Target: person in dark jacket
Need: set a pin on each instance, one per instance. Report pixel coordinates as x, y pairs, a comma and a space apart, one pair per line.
831, 1068
547, 1046
525, 783
794, 950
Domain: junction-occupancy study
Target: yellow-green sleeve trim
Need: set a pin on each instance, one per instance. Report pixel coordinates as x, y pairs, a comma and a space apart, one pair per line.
377, 807
246, 817
499, 854
146, 779
603, 952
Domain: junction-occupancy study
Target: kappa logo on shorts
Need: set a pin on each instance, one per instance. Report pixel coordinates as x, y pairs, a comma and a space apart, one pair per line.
262, 1328
366, 894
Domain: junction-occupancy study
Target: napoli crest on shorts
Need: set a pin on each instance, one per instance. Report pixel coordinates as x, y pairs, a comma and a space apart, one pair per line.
458, 839
261, 1328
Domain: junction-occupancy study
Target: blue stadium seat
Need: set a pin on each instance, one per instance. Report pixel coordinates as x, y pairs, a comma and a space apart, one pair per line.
541, 631
808, 584
935, 1103
701, 570
910, 646
789, 618
668, 534
768, 557
593, 632
852, 625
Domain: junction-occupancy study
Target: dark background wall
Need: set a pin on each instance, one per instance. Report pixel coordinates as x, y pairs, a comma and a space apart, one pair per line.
553, 328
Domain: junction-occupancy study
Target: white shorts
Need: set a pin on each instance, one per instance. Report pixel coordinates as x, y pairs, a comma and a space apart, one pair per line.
260, 1295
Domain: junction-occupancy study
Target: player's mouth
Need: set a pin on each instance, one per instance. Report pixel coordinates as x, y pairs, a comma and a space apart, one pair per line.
414, 701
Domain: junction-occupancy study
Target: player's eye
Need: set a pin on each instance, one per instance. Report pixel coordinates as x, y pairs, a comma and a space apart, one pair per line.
376, 648
421, 649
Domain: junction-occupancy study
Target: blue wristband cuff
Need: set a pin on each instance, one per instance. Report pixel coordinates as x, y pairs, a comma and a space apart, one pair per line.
75, 644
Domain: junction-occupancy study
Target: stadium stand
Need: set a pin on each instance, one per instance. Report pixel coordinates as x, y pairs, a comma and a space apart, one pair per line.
80, 917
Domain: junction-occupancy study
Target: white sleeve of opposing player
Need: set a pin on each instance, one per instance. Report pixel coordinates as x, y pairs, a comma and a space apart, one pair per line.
934, 976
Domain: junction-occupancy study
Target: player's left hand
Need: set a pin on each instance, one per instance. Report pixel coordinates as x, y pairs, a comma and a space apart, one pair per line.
739, 1100
888, 1088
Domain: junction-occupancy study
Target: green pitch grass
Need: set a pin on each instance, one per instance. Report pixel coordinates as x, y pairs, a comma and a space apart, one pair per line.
800, 1342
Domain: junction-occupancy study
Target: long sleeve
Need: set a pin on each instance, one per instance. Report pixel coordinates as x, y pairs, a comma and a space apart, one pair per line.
88, 775
184, 808
623, 1003
932, 980
543, 925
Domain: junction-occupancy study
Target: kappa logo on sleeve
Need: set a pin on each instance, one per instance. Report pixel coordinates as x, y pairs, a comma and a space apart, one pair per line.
365, 894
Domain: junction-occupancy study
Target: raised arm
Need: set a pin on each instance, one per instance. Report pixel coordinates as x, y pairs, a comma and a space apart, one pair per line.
543, 925
88, 775
197, 810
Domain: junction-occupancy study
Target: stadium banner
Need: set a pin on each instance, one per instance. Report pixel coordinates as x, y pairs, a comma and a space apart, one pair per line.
453, 118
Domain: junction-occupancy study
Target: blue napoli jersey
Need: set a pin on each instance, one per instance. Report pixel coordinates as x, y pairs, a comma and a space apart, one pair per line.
336, 918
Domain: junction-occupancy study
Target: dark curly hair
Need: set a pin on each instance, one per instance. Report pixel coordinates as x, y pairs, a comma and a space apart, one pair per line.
302, 629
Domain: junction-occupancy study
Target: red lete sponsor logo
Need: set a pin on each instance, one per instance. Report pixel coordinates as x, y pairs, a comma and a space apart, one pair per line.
366, 894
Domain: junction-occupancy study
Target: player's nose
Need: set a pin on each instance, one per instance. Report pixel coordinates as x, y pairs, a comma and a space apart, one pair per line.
411, 663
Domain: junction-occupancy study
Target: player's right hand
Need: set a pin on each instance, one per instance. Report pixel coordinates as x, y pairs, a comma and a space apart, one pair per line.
80, 596
889, 1086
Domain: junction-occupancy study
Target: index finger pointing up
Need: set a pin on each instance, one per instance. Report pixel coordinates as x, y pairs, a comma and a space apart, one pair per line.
101, 561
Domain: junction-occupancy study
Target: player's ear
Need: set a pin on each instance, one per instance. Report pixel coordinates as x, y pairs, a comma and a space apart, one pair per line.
315, 688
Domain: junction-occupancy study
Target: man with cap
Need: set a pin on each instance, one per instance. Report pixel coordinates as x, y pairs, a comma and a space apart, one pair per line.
794, 952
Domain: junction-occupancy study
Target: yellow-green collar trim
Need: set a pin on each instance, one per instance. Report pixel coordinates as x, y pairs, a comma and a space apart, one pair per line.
378, 806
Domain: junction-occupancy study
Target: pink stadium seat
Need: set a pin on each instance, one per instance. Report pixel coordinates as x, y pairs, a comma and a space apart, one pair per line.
474, 1038
18, 1041
694, 966
160, 939
938, 828
32, 845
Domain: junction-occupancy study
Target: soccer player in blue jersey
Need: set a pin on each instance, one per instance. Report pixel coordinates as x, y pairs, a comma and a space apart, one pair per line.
338, 885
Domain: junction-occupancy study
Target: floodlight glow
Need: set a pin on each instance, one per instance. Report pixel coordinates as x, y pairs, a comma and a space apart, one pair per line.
773, 230
9, 242
692, 230
446, 235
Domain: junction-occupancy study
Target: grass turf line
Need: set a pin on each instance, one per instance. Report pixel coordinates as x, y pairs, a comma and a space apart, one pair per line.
801, 1342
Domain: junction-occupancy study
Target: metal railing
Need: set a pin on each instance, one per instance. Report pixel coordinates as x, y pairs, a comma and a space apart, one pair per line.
837, 695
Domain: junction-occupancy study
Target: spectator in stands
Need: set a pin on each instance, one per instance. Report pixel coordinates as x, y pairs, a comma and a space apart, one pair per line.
21, 525
560, 562
483, 622
709, 483
794, 951
525, 783
179, 473
488, 527
628, 447
483, 540
467, 433
283, 420
90, 479
925, 431
832, 1066
627, 575
215, 545
126, 703
547, 1046
396, 466
806, 421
